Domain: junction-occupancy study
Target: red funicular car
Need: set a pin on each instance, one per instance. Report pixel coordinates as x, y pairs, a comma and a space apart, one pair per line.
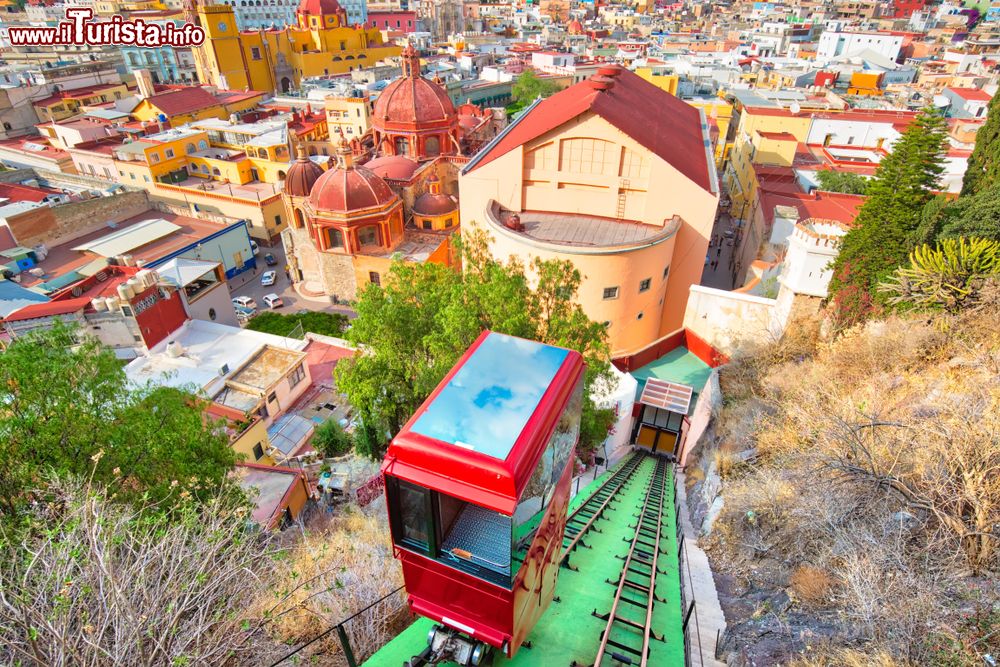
477, 484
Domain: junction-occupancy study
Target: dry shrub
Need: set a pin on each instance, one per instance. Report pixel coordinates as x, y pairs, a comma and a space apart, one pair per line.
879, 465
332, 574
847, 657
811, 585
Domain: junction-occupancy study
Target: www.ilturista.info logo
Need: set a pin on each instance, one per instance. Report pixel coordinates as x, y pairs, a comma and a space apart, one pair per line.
79, 29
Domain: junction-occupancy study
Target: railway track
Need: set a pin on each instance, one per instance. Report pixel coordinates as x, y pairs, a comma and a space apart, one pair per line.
582, 519
629, 628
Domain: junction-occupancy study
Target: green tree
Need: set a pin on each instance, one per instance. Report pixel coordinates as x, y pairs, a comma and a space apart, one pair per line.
419, 323
983, 170
331, 440
936, 214
68, 409
528, 85
886, 225
955, 274
317, 322
975, 216
842, 181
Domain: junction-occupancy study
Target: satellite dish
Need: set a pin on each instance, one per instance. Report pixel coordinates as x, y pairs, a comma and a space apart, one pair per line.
795, 108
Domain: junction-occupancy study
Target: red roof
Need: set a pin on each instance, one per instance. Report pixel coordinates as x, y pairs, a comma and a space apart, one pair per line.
319, 7
48, 309
672, 131
972, 94
75, 93
16, 192
183, 100
302, 176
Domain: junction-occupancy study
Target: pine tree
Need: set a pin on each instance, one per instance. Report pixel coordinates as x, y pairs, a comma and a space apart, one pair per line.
885, 228
984, 163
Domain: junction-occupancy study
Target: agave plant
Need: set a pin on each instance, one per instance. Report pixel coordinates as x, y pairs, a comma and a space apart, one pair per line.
956, 274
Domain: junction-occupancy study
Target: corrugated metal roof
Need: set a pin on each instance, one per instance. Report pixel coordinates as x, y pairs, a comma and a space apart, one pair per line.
180, 271
135, 236
667, 395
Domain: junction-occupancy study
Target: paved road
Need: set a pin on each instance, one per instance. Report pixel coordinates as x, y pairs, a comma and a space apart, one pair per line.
248, 284
722, 276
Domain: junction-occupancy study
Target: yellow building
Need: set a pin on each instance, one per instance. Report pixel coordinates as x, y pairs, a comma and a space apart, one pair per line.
865, 83
247, 433
660, 78
350, 116
68, 103
277, 60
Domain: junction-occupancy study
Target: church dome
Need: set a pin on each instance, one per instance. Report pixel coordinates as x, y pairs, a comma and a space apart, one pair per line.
319, 7
348, 189
395, 167
575, 27
412, 100
432, 204
302, 175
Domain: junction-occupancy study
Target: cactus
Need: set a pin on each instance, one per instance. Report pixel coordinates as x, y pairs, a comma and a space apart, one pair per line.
955, 274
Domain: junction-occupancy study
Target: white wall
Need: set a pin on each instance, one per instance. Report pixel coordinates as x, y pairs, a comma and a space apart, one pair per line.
806, 265
728, 320
852, 132
833, 44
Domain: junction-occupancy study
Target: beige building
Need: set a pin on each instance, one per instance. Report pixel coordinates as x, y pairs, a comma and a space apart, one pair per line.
629, 198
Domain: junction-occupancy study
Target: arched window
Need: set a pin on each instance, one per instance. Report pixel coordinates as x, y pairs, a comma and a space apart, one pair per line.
134, 60
202, 145
189, 149
299, 219
402, 146
334, 238
204, 169
432, 146
368, 236
281, 175
216, 172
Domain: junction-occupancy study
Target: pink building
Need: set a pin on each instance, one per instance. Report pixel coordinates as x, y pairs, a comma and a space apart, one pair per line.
401, 21
614, 175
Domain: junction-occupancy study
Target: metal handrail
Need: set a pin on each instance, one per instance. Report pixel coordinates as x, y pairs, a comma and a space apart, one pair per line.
342, 633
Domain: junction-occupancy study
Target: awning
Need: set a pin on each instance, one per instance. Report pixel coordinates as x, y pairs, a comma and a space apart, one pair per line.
667, 395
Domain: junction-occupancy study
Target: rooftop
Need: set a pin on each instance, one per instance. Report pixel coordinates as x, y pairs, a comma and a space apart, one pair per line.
584, 231
207, 348
680, 366
269, 365
268, 487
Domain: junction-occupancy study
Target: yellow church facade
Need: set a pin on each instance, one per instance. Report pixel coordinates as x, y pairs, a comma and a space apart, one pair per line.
276, 60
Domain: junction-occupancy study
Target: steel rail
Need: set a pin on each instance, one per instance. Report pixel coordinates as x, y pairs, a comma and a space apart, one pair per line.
643, 553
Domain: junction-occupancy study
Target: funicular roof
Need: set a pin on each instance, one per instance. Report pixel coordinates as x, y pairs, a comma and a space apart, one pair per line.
479, 435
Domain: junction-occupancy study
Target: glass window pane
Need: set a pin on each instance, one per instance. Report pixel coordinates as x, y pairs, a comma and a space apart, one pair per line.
413, 512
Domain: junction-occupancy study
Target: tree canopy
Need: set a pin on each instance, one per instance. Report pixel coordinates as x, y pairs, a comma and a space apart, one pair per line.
842, 181
317, 322
983, 170
885, 229
528, 85
69, 409
416, 326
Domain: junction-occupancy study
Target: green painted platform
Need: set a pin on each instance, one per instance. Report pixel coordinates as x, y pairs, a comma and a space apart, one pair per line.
569, 631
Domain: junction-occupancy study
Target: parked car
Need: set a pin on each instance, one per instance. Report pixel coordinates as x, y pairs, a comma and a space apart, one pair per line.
244, 302
254, 248
270, 260
244, 315
268, 278
272, 300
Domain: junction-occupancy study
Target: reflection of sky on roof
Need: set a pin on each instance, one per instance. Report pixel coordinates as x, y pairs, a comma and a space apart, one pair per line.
487, 403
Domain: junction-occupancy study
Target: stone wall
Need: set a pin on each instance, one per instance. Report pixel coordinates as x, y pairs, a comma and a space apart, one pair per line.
730, 320
67, 222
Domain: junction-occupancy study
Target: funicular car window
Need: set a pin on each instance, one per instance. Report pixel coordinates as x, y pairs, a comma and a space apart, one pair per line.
414, 521
538, 493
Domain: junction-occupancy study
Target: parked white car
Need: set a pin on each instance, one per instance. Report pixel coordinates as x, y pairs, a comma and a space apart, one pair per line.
272, 300
245, 302
268, 278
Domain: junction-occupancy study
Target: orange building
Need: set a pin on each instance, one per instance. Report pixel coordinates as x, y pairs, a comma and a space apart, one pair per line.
629, 199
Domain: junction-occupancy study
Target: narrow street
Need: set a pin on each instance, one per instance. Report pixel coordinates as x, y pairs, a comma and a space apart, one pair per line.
719, 271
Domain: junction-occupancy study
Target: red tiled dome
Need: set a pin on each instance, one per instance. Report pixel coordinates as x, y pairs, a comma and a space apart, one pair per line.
412, 100
319, 7
344, 190
434, 204
575, 27
396, 167
301, 177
